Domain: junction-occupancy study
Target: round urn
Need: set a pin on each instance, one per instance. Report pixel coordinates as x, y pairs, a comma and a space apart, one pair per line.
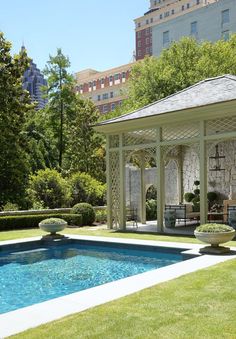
53, 225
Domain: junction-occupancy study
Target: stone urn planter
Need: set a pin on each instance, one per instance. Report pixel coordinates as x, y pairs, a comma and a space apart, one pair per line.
214, 234
52, 226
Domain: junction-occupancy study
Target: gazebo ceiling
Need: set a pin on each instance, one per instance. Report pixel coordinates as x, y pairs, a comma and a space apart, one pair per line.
207, 96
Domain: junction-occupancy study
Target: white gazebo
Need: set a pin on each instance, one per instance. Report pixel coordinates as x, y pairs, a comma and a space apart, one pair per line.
197, 118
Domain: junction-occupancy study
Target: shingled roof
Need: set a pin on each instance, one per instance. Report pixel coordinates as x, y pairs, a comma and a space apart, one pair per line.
206, 92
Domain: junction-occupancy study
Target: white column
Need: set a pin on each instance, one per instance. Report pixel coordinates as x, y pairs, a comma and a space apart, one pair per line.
122, 211
143, 189
109, 188
203, 175
160, 183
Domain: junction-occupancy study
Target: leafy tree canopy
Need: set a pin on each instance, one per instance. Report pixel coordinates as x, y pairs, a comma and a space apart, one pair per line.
183, 64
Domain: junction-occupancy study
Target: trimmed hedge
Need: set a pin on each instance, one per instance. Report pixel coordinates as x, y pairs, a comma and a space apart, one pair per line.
87, 212
32, 221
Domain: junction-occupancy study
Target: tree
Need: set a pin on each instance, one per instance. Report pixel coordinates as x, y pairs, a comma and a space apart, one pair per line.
61, 98
48, 188
14, 106
86, 148
183, 64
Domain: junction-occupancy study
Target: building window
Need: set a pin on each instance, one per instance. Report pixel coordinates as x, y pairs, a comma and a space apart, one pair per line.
166, 38
110, 78
105, 96
188, 5
193, 30
111, 94
198, 2
183, 8
147, 22
94, 83
105, 108
225, 35
116, 76
160, 16
123, 75
102, 81
113, 106
139, 43
166, 14
81, 87
147, 41
172, 11
151, 20
147, 31
139, 53
90, 84
99, 97
139, 34
147, 50
225, 17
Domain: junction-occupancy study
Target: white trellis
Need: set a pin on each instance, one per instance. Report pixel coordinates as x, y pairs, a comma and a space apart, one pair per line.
148, 134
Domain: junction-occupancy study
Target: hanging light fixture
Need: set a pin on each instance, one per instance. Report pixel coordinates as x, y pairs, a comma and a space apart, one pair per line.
216, 161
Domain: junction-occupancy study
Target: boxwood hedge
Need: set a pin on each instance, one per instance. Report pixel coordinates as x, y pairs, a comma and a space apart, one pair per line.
32, 221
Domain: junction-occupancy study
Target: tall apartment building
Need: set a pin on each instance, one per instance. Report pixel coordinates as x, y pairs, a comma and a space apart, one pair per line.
169, 20
32, 81
106, 89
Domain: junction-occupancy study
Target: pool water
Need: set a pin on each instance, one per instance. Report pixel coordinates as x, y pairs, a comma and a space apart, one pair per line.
32, 276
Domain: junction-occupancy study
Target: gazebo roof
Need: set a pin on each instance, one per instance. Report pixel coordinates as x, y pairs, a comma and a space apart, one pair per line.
207, 92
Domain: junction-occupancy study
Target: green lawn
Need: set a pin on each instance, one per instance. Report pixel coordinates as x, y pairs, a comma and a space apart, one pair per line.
198, 305
11, 235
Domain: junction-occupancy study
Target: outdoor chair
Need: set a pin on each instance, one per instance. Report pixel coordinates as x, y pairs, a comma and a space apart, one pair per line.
183, 212
132, 215
231, 215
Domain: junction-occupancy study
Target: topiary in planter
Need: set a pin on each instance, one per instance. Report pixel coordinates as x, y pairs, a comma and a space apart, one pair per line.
188, 197
214, 234
52, 225
87, 212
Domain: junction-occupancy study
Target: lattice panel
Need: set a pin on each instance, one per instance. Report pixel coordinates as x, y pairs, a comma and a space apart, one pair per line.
148, 155
180, 131
113, 141
222, 125
115, 187
139, 137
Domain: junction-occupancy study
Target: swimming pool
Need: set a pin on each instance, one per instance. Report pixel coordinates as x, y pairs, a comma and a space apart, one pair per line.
35, 272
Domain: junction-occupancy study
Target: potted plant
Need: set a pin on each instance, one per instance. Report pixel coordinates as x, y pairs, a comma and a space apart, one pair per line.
214, 234
52, 225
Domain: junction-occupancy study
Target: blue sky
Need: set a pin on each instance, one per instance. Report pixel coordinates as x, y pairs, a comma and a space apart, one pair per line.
95, 34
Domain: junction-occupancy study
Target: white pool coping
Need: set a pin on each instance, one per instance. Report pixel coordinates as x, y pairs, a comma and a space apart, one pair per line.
32, 316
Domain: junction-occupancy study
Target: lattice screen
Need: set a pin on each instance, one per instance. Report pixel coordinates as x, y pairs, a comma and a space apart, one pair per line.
115, 187
148, 155
139, 137
180, 131
113, 141
222, 125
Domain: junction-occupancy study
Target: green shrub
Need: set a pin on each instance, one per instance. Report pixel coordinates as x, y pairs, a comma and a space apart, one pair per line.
101, 216
212, 196
151, 209
188, 197
48, 187
53, 221
85, 188
87, 212
196, 182
32, 221
9, 206
214, 228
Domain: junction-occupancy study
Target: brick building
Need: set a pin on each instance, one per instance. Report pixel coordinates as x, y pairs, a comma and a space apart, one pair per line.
106, 89
169, 20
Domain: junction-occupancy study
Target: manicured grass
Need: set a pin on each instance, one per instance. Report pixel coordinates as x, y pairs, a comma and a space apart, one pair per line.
11, 235
198, 305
